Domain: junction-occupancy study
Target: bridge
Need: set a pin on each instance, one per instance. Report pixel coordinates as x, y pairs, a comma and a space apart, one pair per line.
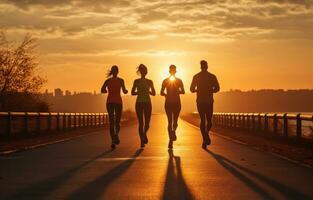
85, 167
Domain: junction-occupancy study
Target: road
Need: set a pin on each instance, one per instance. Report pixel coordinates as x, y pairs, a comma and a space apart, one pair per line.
84, 168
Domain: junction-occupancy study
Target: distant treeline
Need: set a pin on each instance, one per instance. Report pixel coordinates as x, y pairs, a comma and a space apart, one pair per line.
230, 101
22, 102
265, 101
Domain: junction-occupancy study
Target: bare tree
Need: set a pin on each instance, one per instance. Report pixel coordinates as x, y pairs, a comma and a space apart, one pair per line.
18, 68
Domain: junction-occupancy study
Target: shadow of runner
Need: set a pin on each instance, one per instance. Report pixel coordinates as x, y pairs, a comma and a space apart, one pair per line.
287, 192
175, 186
97, 187
42, 189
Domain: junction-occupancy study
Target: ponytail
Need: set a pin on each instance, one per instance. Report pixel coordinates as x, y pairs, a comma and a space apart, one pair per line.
112, 71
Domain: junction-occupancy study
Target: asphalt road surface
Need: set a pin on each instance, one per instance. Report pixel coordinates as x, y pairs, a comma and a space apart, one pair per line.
85, 168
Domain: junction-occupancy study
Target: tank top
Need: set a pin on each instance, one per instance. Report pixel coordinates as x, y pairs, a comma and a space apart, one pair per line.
114, 90
143, 88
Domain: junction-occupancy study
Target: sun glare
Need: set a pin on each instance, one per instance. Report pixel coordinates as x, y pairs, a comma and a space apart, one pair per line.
172, 78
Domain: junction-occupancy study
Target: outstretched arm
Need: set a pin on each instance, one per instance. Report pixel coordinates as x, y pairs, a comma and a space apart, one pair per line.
193, 86
125, 91
216, 86
134, 88
152, 90
182, 89
104, 87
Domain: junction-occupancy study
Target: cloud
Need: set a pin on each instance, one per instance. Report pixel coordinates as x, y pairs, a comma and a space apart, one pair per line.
189, 20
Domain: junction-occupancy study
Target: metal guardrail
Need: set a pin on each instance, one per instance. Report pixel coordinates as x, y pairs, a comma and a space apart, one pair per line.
17, 123
277, 123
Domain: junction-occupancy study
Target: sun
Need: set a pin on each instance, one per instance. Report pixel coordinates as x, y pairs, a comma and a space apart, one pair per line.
172, 78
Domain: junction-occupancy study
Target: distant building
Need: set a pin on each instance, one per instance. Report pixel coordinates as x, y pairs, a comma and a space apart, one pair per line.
58, 92
67, 93
48, 94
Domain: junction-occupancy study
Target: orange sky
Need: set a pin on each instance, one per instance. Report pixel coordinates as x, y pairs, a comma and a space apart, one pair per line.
248, 44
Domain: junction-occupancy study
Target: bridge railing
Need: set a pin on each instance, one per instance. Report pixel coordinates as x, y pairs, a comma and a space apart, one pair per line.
284, 124
15, 124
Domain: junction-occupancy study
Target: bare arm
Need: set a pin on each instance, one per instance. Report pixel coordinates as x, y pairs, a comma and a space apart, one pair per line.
152, 91
182, 89
216, 86
134, 89
193, 86
104, 87
163, 89
125, 91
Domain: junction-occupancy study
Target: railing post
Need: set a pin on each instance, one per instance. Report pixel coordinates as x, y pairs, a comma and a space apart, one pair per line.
94, 120
38, 122
75, 121
9, 124
266, 123
58, 121
231, 120
243, 121
87, 119
285, 119
26, 123
90, 120
227, 120
64, 121
99, 119
253, 122
299, 126
49, 121
69, 121
259, 122
79, 120
275, 124
84, 119
248, 121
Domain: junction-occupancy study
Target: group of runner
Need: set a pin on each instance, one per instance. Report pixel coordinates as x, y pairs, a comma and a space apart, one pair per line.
204, 84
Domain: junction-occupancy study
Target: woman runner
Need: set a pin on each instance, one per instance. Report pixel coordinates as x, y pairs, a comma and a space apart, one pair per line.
143, 88
174, 87
114, 104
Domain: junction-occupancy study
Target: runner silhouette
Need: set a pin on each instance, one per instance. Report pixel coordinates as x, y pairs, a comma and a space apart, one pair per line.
205, 84
114, 104
174, 87
143, 88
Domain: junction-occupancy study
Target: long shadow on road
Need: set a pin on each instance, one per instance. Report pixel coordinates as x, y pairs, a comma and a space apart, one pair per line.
175, 186
231, 166
96, 188
42, 189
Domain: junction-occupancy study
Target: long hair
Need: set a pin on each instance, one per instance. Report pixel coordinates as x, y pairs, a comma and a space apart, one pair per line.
112, 71
142, 69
